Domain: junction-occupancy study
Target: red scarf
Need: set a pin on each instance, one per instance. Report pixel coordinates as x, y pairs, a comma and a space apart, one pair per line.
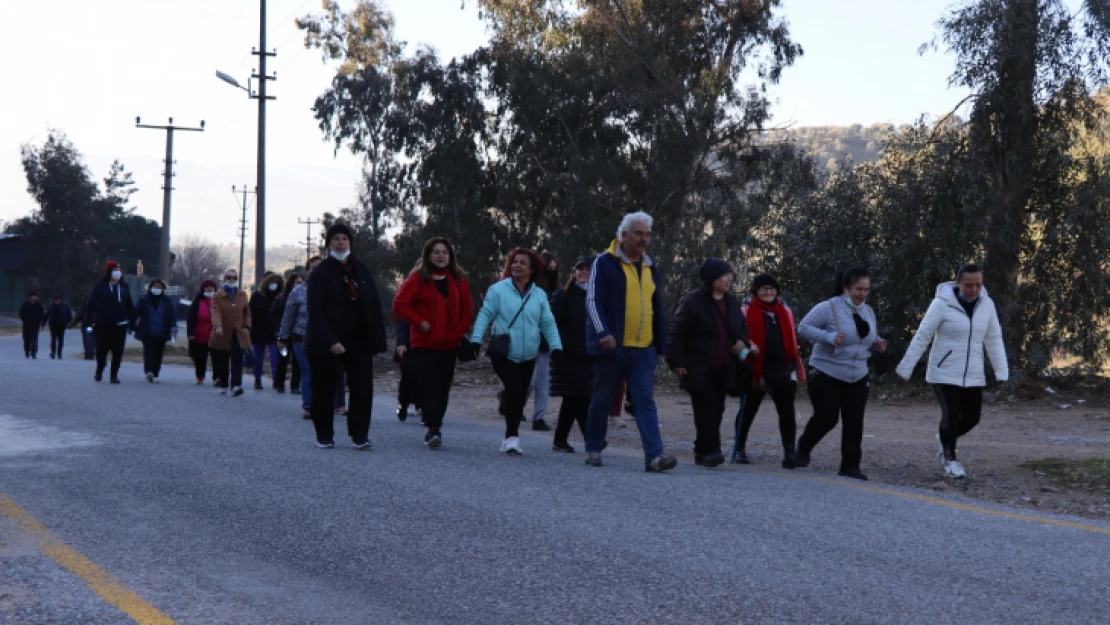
757, 333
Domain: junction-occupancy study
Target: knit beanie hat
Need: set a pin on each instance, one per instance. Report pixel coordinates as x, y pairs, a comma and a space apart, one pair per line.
762, 280
712, 269
110, 266
338, 229
208, 283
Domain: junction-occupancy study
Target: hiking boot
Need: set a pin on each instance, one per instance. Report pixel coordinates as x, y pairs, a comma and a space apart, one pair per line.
433, 440
593, 459
403, 414
788, 456
541, 426
855, 474
954, 470
709, 460
562, 446
801, 458
660, 464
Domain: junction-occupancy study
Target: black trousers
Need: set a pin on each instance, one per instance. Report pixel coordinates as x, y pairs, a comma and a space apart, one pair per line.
516, 377
57, 342
834, 400
960, 410
435, 372
408, 388
340, 387
31, 341
709, 409
227, 365
783, 395
573, 409
358, 365
199, 354
154, 347
283, 366
110, 339
88, 341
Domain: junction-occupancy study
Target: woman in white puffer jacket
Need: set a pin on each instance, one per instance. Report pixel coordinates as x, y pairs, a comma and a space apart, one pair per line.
961, 324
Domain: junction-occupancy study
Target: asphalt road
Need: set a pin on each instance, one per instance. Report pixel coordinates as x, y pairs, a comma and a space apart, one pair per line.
223, 511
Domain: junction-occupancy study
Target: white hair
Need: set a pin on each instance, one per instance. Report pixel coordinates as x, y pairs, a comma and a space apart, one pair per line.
638, 217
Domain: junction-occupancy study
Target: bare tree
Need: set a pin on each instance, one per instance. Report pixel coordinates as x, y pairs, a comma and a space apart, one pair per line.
196, 259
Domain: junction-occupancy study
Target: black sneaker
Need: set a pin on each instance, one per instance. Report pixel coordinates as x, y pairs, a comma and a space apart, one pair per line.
562, 446
801, 459
237, 391
99, 376
741, 457
364, 446
855, 474
325, 444
403, 414
593, 459
114, 380
541, 426
433, 440
661, 464
258, 385
280, 390
709, 460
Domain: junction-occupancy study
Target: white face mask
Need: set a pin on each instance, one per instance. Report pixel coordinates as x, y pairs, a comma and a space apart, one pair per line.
340, 256
116, 274
209, 294
273, 287
156, 291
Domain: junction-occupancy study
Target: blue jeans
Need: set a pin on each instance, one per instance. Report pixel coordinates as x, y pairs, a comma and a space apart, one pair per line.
638, 367
306, 375
260, 352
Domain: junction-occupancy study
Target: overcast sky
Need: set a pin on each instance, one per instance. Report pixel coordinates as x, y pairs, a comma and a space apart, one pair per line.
89, 68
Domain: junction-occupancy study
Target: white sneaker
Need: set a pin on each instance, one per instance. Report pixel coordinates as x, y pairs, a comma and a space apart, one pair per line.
616, 423
511, 446
954, 469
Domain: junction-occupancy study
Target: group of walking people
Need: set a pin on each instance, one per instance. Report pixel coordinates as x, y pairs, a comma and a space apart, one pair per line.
587, 341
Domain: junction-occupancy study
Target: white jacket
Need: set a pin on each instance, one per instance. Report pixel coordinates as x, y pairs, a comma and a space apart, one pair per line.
957, 341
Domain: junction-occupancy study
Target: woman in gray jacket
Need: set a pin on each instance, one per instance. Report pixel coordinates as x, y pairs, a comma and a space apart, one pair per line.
844, 331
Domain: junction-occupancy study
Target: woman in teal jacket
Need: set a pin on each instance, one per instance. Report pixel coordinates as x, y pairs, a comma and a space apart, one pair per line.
517, 307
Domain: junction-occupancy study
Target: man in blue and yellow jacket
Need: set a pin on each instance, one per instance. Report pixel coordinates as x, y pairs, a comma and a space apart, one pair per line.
626, 331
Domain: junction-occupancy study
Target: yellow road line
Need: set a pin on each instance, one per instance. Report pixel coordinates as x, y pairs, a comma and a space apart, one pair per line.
99, 580
874, 489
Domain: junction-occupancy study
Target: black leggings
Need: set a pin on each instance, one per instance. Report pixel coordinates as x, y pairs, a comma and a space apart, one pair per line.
783, 395
833, 400
517, 377
709, 409
199, 353
960, 410
572, 410
436, 372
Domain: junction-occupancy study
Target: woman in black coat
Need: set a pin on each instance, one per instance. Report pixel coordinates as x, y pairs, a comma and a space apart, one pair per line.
345, 327
708, 335
572, 372
263, 331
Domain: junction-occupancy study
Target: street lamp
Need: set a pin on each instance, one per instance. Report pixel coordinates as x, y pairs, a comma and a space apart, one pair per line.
260, 186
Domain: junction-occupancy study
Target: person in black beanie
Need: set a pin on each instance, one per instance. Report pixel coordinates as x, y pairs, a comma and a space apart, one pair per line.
707, 335
345, 327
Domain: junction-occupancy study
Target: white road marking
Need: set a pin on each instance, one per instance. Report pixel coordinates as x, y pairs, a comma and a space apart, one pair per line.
20, 436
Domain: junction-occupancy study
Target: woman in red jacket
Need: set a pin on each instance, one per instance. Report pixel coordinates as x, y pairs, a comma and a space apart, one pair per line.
435, 301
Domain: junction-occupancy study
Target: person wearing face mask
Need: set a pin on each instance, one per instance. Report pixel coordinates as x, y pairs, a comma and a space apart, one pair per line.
775, 366
33, 315
110, 313
198, 327
572, 371
844, 332
263, 332
157, 324
291, 333
285, 355
961, 324
345, 327
541, 377
435, 301
231, 326
520, 314
708, 334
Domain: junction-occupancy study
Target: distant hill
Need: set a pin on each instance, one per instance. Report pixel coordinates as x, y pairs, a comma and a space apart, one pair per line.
829, 144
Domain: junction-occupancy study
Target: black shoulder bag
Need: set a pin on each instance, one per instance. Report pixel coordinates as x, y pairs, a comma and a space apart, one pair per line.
499, 343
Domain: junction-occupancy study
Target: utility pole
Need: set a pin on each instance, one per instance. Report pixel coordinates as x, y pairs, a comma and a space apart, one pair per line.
308, 237
260, 189
243, 230
167, 190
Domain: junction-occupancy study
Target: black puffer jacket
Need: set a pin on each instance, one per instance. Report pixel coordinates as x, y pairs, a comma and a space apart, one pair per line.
329, 318
694, 339
572, 373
